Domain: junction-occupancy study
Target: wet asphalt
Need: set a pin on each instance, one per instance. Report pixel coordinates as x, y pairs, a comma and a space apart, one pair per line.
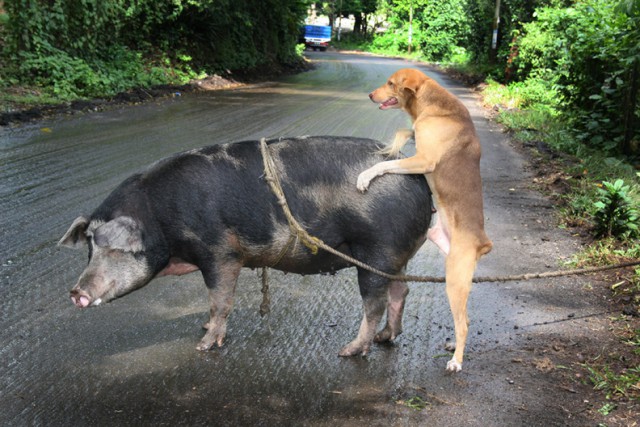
133, 361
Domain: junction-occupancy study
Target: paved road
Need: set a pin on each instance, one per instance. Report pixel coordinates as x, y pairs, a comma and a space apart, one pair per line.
133, 361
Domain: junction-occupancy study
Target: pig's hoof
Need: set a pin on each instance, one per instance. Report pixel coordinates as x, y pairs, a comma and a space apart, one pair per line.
386, 335
453, 365
354, 350
209, 341
204, 346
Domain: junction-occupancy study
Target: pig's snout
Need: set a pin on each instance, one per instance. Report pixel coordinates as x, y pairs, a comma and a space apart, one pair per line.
80, 298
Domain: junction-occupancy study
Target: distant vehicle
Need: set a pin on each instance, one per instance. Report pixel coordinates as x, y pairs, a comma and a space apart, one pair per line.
317, 36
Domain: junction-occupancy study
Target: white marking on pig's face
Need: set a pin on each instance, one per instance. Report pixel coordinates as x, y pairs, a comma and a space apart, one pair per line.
117, 265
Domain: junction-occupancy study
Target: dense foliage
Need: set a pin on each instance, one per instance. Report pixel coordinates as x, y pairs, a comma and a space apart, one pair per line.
589, 55
576, 58
438, 29
97, 47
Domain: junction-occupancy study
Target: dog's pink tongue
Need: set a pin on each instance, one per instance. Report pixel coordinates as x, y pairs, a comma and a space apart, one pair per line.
388, 103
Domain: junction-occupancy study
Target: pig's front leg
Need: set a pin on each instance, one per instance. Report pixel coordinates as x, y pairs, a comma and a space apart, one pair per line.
221, 282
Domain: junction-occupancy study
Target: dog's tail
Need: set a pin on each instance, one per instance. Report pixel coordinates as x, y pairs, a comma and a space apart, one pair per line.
401, 138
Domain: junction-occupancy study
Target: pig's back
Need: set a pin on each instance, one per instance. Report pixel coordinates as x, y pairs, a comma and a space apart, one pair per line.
223, 187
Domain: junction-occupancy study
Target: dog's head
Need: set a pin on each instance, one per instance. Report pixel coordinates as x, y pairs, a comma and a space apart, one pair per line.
399, 90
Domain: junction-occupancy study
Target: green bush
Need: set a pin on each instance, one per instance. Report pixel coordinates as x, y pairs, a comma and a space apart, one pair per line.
393, 41
587, 54
615, 215
82, 48
444, 27
438, 29
70, 77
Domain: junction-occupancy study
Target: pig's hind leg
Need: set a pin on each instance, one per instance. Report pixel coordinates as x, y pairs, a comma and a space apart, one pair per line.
221, 282
398, 292
373, 290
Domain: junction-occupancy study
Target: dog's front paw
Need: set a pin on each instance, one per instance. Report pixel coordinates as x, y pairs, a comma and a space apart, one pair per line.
453, 365
364, 179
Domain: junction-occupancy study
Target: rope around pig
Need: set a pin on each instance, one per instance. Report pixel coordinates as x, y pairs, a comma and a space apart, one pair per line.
313, 243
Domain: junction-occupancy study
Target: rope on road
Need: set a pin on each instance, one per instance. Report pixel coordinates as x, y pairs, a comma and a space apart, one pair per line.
313, 243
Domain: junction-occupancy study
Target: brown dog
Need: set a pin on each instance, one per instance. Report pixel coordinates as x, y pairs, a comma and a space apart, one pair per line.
448, 152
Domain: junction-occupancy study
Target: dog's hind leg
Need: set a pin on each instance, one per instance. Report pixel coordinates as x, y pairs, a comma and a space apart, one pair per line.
460, 265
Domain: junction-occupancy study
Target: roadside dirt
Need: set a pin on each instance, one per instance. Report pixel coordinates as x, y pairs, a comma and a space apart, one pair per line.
576, 365
21, 113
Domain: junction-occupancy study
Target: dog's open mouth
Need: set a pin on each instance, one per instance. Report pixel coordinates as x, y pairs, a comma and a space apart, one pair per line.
389, 103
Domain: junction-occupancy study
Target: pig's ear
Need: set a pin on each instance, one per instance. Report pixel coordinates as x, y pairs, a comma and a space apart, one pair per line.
75, 236
122, 233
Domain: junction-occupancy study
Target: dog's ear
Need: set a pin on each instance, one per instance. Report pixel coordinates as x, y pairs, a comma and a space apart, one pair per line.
411, 84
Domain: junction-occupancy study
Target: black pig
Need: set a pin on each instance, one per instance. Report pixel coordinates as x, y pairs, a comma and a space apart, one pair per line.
211, 210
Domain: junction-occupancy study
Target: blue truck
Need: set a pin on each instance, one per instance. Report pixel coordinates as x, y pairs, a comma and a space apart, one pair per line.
317, 36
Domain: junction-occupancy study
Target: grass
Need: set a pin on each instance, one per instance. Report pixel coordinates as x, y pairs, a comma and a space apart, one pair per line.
350, 42
616, 372
607, 252
416, 403
23, 97
615, 384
